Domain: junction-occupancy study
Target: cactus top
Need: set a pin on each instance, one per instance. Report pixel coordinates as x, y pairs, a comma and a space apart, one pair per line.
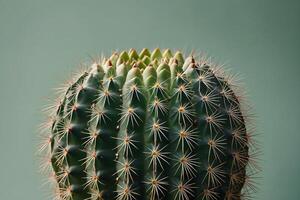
149, 125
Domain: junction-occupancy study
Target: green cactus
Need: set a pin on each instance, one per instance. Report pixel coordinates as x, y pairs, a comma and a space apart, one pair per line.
150, 125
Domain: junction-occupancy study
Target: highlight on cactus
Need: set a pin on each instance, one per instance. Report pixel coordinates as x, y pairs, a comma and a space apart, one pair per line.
150, 125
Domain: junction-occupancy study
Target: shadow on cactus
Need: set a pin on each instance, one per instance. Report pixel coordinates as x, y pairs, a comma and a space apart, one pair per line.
150, 125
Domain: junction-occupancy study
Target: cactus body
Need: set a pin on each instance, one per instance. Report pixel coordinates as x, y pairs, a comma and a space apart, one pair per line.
149, 125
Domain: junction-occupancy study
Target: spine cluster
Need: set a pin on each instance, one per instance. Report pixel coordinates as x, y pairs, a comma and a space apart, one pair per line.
150, 126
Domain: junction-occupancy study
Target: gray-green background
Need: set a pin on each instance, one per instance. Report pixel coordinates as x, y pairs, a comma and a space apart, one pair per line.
42, 42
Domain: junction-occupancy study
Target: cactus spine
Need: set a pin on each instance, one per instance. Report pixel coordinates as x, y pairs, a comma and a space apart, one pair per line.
151, 126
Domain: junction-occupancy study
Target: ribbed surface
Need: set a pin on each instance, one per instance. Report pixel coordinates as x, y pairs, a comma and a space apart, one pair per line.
150, 126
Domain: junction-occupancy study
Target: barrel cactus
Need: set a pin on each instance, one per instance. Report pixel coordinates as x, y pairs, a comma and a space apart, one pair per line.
149, 125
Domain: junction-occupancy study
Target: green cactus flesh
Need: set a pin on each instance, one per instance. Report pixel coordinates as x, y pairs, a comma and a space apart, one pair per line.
149, 125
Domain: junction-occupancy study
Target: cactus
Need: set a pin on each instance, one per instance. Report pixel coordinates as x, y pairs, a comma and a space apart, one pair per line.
149, 125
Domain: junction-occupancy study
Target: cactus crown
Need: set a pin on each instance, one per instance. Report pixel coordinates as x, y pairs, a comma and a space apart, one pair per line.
149, 125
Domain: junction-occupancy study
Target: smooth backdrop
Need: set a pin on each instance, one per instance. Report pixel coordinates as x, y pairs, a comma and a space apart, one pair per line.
43, 41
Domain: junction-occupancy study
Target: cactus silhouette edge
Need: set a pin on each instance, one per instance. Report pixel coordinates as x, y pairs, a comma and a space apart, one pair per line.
150, 125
